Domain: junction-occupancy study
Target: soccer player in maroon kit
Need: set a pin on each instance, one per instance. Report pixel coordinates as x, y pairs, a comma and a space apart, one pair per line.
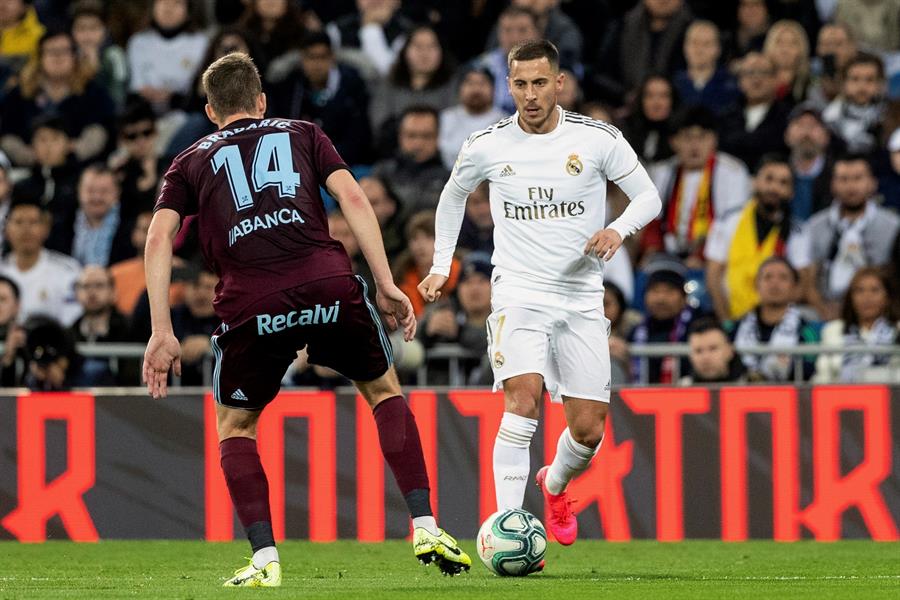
284, 284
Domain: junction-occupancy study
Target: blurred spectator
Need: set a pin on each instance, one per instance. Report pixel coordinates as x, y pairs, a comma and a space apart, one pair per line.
46, 278
666, 320
5, 192
53, 363
875, 23
138, 166
712, 356
740, 243
599, 111
474, 112
99, 235
756, 125
556, 26
651, 35
752, 23
855, 116
697, 185
808, 139
372, 36
163, 58
704, 82
514, 26
96, 50
56, 83
463, 320
888, 185
649, 126
852, 233
869, 317
388, 212
12, 334
20, 31
834, 49
477, 231
194, 322
788, 46
622, 321
413, 264
775, 322
277, 25
339, 229
329, 94
100, 321
421, 75
416, 172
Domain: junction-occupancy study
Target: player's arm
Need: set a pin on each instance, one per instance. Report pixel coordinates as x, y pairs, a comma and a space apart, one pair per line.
623, 168
163, 350
364, 225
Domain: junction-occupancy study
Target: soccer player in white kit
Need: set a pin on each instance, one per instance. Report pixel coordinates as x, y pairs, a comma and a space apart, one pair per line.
547, 169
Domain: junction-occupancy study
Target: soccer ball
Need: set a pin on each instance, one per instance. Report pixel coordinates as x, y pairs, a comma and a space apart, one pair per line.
512, 543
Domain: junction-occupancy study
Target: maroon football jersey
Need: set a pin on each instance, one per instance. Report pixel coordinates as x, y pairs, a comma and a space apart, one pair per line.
254, 187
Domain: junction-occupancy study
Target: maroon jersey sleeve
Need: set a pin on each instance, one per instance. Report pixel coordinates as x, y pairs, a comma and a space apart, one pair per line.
326, 155
176, 192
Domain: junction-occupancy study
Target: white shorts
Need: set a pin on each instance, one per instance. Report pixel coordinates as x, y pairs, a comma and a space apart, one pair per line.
569, 348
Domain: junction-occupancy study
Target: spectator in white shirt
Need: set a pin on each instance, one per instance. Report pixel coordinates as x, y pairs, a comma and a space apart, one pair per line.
46, 278
474, 112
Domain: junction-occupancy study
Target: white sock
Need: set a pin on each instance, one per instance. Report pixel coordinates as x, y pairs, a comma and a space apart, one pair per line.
512, 462
427, 523
264, 556
571, 459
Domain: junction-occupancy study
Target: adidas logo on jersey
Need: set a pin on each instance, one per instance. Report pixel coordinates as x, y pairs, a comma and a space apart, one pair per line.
507, 171
239, 395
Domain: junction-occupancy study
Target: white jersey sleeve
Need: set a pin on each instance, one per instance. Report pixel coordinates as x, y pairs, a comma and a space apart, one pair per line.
467, 173
623, 168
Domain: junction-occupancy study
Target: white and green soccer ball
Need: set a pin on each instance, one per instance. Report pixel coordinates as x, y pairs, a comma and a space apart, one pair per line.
512, 543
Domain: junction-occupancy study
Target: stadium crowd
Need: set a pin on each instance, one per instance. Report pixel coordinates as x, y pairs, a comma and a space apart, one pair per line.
770, 127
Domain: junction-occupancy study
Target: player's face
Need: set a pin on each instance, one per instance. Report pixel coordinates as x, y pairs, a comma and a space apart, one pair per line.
9, 306
774, 185
775, 285
664, 301
710, 354
94, 290
869, 298
97, 194
535, 87
27, 229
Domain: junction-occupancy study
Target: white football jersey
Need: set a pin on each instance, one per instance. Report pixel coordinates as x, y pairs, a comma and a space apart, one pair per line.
548, 198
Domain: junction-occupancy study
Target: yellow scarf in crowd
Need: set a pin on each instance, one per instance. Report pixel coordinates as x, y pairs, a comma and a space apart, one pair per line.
745, 256
701, 213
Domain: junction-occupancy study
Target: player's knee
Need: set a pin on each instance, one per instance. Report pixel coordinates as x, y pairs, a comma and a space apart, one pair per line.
522, 403
237, 423
588, 434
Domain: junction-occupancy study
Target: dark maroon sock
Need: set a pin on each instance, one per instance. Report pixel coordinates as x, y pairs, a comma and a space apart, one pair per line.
402, 449
249, 489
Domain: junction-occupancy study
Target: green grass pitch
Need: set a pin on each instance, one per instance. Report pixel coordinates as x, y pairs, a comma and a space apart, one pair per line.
354, 571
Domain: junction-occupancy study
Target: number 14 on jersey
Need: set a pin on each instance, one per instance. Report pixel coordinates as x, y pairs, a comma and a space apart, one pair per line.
272, 166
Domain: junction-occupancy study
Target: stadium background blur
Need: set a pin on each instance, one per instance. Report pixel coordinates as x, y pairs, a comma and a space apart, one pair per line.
96, 98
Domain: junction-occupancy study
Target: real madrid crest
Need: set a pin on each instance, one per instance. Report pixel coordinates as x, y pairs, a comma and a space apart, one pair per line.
573, 165
498, 360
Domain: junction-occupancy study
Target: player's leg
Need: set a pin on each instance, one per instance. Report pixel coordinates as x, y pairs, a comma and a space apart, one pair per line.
518, 344
512, 456
402, 449
246, 377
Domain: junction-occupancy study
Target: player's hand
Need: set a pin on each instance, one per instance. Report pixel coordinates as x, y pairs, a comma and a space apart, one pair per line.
163, 353
604, 244
430, 288
397, 310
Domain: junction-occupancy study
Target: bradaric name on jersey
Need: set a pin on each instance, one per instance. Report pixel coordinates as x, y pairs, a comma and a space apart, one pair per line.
542, 207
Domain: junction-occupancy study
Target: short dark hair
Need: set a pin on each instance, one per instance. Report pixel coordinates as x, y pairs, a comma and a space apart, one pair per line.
137, 110
420, 109
315, 38
772, 158
849, 157
232, 85
779, 260
12, 285
704, 324
864, 58
88, 8
694, 116
99, 168
535, 50
51, 121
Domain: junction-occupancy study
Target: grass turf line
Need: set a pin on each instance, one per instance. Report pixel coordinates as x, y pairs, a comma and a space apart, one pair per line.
687, 570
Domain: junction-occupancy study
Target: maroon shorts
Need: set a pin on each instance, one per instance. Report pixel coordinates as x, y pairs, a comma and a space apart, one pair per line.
333, 318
